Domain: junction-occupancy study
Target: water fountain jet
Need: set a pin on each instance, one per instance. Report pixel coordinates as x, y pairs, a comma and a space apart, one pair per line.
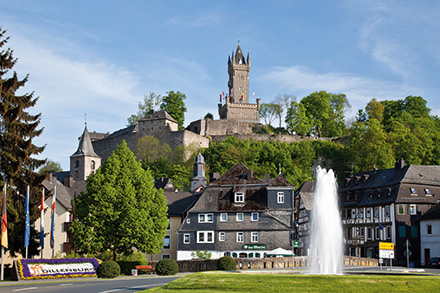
326, 249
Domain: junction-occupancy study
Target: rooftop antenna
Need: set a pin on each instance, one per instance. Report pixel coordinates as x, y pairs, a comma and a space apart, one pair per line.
85, 119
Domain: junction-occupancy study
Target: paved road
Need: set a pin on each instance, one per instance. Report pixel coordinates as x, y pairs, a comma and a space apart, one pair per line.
118, 285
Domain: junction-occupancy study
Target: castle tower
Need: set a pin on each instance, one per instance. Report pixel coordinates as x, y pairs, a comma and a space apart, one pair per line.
84, 161
237, 106
238, 70
199, 179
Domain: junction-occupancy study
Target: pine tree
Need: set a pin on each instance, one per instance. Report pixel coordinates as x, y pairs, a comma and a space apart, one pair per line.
17, 164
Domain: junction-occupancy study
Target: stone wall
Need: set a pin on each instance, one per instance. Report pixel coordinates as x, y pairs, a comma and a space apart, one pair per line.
287, 138
266, 263
192, 141
208, 127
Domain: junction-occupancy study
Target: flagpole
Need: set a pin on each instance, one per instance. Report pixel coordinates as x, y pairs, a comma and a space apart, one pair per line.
4, 231
27, 228
3, 264
42, 224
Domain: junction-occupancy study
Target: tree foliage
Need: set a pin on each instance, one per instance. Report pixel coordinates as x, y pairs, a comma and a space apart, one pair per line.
50, 167
150, 102
18, 128
121, 210
321, 112
175, 106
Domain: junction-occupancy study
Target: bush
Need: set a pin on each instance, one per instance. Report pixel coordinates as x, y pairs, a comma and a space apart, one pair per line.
126, 266
226, 263
166, 267
108, 269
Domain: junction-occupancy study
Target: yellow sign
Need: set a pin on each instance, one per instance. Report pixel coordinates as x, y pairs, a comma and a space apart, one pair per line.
386, 245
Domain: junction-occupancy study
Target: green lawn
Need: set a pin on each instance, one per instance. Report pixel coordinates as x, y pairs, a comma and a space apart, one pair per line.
258, 282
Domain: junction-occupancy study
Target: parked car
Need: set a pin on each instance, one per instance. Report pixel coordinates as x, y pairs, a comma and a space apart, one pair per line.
434, 262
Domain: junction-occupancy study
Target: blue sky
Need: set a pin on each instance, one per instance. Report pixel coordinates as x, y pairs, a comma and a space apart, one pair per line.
101, 57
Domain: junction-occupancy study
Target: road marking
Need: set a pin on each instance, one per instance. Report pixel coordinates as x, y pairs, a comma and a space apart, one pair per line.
25, 289
68, 284
142, 286
108, 291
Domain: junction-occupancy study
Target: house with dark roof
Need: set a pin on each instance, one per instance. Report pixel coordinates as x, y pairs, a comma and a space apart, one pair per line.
239, 215
385, 206
304, 203
430, 234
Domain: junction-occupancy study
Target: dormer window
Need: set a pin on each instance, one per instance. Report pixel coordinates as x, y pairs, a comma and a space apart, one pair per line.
280, 197
413, 191
239, 197
428, 192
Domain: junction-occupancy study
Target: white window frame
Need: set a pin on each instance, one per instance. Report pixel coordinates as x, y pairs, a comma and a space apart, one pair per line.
223, 217
240, 236
186, 238
204, 218
254, 237
280, 197
238, 217
413, 209
257, 214
205, 236
239, 197
221, 236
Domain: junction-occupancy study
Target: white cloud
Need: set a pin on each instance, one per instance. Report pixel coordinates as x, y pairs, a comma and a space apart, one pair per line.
301, 81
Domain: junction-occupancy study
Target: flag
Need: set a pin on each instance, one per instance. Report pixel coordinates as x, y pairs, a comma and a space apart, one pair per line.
42, 221
27, 229
4, 241
52, 216
242, 95
220, 98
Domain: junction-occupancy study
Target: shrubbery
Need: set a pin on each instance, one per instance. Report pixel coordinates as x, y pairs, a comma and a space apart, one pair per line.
226, 263
108, 269
167, 267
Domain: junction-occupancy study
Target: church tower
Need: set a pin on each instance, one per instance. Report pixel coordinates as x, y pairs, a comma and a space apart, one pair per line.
83, 162
238, 70
199, 179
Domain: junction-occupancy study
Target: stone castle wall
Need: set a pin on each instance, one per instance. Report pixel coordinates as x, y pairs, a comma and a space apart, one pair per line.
208, 127
105, 147
287, 138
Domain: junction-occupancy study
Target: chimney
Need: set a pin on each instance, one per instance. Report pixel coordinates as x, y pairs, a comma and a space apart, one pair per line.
68, 181
268, 178
213, 177
400, 164
249, 174
50, 177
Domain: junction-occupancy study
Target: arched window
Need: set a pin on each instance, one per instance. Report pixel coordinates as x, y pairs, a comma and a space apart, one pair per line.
92, 165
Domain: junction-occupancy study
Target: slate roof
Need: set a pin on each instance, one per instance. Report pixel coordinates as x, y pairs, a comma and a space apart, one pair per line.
179, 202
306, 192
239, 174
64, 194
165, 183
280, 180
432, 214
128, 129
85, 147
159, 115
387, 185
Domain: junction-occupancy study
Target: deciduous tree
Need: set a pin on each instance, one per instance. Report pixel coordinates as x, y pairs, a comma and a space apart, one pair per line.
121, 210
174, 104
